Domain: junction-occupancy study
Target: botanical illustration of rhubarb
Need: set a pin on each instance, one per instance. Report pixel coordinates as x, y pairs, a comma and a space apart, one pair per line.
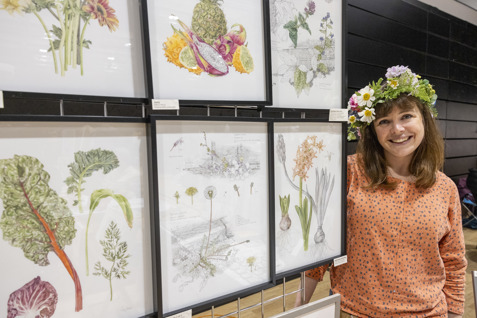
305, 53
83, 167
35, 218
67, 37
115, 252
207, 46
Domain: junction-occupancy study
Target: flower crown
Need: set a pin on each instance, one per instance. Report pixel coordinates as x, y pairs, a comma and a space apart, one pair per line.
399, 79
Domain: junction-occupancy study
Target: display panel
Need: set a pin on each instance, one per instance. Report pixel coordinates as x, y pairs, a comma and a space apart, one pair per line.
307, 44
210, 52
308, 159
75, 219
213, 197
72, 47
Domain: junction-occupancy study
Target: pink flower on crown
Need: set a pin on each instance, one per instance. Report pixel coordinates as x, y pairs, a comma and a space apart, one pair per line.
353, 103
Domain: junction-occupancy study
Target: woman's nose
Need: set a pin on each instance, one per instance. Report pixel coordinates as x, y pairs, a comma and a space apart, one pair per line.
397, 127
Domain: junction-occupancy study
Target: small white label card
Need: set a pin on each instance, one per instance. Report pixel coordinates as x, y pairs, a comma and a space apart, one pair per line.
340, 260
340, 114
184, 314
1, 99
165, 104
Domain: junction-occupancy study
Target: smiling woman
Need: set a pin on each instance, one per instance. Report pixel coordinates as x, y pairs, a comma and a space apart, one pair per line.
403, 214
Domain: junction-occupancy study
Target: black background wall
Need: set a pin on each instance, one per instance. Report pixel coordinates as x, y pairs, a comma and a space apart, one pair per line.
437, 46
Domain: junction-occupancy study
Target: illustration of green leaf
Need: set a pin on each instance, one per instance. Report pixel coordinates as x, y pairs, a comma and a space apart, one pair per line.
85, 164
35, 218
115, 252
96, 198
101, 194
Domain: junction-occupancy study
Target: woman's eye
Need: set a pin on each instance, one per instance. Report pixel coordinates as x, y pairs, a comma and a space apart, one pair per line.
407, 116
383, 122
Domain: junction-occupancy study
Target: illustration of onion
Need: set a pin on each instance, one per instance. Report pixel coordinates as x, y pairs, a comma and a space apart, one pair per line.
285, 222
210, 192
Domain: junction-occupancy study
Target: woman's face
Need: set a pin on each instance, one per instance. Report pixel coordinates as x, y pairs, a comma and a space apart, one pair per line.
400, 133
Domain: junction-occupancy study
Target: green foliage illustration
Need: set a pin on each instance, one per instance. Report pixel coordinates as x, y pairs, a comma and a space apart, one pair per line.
115, 252
85, 164
35, 218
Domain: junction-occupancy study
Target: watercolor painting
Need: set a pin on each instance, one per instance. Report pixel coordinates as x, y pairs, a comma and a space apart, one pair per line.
213, 206
216, 49
308, 178
306, 53
73, 46
59, 181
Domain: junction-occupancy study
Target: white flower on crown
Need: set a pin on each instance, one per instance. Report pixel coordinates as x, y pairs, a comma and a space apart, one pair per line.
365, 97
367, 115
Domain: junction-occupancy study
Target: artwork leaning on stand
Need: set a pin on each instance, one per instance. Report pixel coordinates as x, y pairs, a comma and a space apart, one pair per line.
213, 208
74, 220
308, 191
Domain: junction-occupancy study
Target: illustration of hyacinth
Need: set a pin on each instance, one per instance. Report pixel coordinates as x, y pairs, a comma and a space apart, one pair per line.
206, 46
307, 151
67, 37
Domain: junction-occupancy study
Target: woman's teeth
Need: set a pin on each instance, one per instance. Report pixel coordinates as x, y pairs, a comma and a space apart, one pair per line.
400, 140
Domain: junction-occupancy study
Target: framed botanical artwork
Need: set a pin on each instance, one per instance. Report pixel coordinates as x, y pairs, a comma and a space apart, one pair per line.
75, 220
307, 53
213, 207
209, 52
309, 181
90, 47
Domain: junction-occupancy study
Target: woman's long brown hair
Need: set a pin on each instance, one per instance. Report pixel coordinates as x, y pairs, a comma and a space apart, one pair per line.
426, 160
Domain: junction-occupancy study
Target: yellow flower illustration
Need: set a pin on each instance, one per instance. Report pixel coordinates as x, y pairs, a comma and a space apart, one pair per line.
305, 154
12, 6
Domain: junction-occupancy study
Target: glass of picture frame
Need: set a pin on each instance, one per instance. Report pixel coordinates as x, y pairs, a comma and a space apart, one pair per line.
212, 190
52, 48
309, 181
307, 53
209, 53
79, 232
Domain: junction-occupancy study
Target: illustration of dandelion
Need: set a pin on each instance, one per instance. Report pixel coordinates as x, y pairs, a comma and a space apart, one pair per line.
210, 192
191, 191
251, 262
236, 188
177, 196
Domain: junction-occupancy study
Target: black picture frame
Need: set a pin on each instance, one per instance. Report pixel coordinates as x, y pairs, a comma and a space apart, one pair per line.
166, 81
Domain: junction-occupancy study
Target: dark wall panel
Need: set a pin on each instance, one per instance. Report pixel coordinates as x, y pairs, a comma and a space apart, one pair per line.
461, 129
372, 26
461, 111
461, 148
395, 10
459, 166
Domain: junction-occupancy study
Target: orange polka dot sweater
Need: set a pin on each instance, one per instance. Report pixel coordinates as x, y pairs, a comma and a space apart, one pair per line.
405, 247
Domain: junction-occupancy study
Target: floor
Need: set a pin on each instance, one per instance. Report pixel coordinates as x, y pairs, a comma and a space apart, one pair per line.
274, 304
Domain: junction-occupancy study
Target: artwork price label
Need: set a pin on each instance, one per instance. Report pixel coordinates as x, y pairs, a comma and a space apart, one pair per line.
338, 114
184, 314
165, 104
1, 99
340, 260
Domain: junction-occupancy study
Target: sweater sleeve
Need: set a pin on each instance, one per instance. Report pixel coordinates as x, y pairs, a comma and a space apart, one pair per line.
452, 250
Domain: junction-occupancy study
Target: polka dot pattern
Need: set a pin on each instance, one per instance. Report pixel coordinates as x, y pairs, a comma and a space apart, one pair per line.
405, 247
